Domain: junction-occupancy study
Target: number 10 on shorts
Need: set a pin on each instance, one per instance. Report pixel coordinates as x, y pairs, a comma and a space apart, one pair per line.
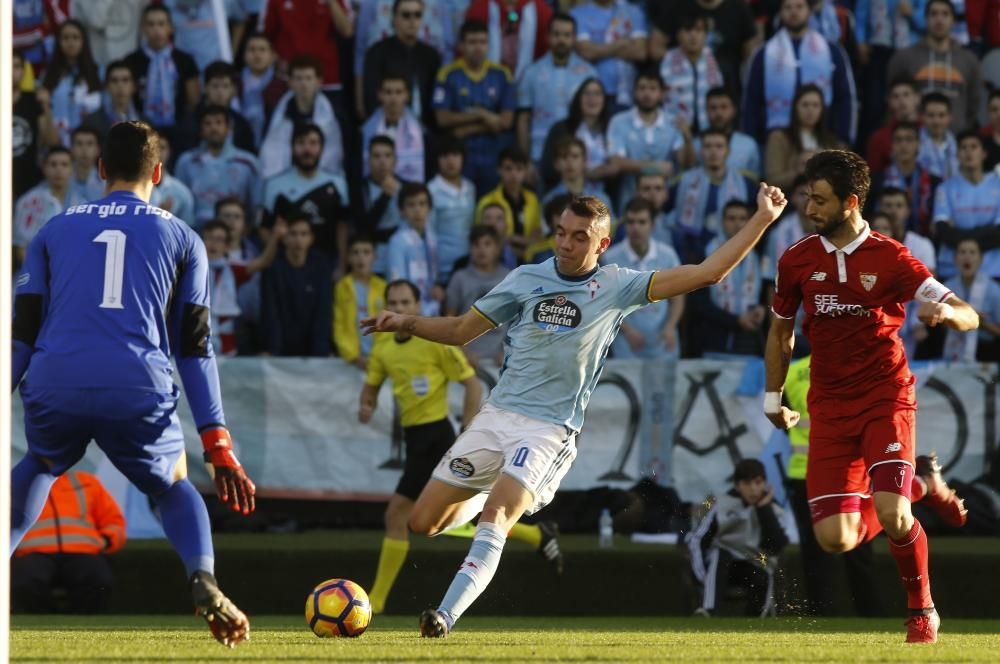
520, 456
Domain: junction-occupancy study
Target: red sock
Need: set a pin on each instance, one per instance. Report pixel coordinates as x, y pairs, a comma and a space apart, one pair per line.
869, 526
918, 489
910, 554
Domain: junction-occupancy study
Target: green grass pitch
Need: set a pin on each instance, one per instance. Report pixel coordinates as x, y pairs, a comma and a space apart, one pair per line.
504, 639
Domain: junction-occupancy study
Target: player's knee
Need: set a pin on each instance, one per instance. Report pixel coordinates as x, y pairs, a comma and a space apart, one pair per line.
421, 524
836, 540
896, 521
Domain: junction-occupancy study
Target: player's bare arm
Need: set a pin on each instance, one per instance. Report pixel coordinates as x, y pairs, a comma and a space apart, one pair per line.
953, 312
777, 356
686, 278
450, 330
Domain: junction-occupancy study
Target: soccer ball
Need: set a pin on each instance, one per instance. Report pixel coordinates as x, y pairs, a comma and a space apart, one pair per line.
338, 607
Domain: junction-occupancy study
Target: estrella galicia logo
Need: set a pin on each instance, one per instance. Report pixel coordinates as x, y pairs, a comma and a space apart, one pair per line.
462, 467
557, 314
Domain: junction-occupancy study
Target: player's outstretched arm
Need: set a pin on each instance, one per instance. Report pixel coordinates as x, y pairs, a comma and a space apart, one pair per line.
777, 356
451, 330
686, 278
953, 312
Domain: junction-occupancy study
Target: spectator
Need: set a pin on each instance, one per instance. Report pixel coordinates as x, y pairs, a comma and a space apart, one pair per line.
904, 106
789, 148
702, 194
938, 149
794, 225
880, 223
171, 194
471, 283
298, 29
437, 29
358, 295
302, 104
262, 88
518, 30
692, 71
494, 215
112, 26
72, 79
33, 129
404, 54
612, 36
85, 150
732, 34
394, 119
589, 115
939, 64
975, 287
243, 248
168, 88
548, 86
296, 293
201, 29
906, 173
738, 542
228, 276
45, 200
645, 137
571, 163
32, 19
454, 206
118, 101
307, 190
992, 132
68, 546
376, 201
221, 85
215, 169
895, 204
744, 153
968, 205
544, 249
730, 311
522, 212
652, 187
794, 56
412, 249
474, 100
650, 332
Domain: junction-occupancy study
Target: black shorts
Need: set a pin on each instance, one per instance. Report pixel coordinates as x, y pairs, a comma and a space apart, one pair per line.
425, 445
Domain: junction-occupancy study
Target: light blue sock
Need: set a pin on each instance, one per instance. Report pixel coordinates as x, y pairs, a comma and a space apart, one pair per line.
30, 482
476, 572
185, 521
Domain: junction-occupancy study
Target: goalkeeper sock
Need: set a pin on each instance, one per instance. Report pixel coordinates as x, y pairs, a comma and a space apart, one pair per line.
185, 521
522, 532
390, 561
475, 573
29, 488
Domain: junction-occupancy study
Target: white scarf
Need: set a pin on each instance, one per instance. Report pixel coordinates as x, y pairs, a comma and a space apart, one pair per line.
961, 346
692, 197
408, 136
276, 149
939, 161
223, 289
815, 65
687, 84
525, 36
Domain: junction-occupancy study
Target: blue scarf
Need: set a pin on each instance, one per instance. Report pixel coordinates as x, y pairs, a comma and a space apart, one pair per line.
161, 80
826, 22
939, 162
782, 69
253, 100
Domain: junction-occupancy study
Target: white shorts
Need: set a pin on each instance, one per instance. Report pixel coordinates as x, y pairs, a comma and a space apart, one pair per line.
535, 453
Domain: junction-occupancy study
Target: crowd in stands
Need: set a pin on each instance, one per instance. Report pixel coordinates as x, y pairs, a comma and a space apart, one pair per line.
325, 147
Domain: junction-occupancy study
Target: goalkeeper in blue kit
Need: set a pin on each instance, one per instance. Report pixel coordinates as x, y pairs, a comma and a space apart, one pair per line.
108, 293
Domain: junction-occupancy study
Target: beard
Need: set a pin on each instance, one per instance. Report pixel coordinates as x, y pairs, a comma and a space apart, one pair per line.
305, 162
830, 225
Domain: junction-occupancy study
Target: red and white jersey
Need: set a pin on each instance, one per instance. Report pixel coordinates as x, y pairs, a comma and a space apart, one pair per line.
853, 300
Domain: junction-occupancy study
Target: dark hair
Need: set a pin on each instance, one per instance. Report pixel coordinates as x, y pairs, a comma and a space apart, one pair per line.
131, 151
555, 207
227, 201
449, 144
304, 129
734, 203
472, 28
58, 149
748, 469
360, 238
566, 142
382, 139
213, 109
514, 154
19, 54
156, 8
114, 66
299, 217
994, 94
906, 125
220, 69
479, 231
907, 81
947, 3
641, 205
710, 131
259, 35
408, 190
720, 91
846, 172
590, 207
689, 20
403, 282
565, 18
575, 116
934, 98
59, 66
394, 75
216, 225
650, 73
397, 3
85, 129
975, 241
800, 181
966, 134
894, 191
305, 61
824, 137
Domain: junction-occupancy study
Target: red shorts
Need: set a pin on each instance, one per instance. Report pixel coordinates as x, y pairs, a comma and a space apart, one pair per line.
843, 451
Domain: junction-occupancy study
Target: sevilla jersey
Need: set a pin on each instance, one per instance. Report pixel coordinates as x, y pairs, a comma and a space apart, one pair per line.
853, 300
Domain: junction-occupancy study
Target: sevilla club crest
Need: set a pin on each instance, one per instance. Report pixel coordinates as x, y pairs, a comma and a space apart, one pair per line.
868, 280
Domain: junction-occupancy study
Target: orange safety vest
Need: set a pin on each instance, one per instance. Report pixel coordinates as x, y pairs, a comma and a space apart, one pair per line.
80, 516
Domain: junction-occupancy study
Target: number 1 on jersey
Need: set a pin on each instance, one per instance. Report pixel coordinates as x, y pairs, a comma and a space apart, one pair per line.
114, 268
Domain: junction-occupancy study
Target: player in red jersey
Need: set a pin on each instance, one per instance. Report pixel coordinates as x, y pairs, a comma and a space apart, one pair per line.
862, 474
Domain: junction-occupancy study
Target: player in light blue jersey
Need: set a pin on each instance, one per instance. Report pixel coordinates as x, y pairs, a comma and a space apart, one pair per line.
109, 293
563, 315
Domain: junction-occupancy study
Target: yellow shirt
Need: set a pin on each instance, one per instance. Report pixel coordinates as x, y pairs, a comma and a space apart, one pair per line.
419, 371
797, 393
531, 214
346, 329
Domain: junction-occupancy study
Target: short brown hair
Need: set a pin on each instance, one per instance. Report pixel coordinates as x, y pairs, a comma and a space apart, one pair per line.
592, 208
131, 151
305, 61
846, 172
567, 142
641, 205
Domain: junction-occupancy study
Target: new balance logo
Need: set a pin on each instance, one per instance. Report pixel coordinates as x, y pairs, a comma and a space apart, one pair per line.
818, 276
537, 291
893, 447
